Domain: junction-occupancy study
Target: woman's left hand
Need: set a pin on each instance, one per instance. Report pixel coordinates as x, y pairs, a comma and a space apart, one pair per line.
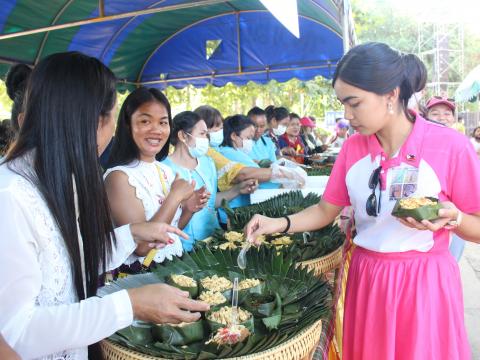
197, 201
449, 212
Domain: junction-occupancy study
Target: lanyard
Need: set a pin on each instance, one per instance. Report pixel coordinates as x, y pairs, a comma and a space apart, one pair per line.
162, 180
151, 254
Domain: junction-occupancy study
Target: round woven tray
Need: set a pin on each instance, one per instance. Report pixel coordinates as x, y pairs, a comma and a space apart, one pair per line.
300, 347
325, 263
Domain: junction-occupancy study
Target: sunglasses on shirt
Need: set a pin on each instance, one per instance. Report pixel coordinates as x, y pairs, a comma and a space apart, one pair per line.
373, 206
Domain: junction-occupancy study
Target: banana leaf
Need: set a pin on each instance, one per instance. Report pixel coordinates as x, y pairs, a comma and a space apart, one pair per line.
305, 246
280, 205
319, 171
260, 305
265, 163
214, 325
192, 290
179, 335
301, 300
426, 212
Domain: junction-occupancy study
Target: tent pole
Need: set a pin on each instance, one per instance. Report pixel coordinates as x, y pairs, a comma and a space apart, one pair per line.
266, 71
101, 19
238, 43
101, 8
345, 23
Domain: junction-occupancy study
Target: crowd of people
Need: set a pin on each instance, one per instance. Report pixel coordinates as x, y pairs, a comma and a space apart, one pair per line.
84, 192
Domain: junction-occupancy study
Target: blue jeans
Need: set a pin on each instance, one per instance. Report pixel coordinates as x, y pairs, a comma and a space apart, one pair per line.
456, 247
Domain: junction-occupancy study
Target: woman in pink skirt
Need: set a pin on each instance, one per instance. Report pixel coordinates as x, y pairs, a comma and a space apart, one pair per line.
404, 296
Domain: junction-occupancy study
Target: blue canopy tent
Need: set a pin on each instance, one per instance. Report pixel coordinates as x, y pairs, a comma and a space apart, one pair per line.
162, 43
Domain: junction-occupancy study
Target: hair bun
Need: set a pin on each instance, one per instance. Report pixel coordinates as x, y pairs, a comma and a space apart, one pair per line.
17, 79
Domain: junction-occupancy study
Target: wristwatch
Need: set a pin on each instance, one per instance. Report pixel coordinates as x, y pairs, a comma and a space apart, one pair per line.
456, 223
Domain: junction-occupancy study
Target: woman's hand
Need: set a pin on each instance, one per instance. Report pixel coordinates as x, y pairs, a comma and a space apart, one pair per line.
247, 186
153, 234
6, 352
449, 212
261, 225
182, 189
197, 201
161, 304
288, 151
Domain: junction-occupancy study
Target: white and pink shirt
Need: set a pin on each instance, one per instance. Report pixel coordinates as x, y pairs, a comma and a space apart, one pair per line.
434, 161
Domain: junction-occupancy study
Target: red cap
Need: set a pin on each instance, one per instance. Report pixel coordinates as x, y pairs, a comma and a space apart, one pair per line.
306, 121
436, 100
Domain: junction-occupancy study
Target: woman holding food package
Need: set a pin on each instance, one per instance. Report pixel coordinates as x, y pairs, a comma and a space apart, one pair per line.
57, 233
404, 296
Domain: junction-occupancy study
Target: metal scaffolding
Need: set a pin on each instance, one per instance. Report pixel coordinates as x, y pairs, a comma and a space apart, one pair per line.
440, 44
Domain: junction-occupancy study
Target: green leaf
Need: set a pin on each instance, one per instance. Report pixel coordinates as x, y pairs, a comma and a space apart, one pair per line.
273, 321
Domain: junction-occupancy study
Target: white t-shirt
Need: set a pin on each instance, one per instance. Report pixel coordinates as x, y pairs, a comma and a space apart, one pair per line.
144, 177
40, 314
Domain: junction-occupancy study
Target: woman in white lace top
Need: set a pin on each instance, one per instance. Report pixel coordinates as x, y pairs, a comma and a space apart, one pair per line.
57, 236
138, 186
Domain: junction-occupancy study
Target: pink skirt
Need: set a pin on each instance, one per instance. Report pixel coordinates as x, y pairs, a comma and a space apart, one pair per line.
404, 306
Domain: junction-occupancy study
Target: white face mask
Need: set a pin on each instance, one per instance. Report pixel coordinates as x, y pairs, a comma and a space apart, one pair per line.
200, 148
280, 130
247, 146
216, 138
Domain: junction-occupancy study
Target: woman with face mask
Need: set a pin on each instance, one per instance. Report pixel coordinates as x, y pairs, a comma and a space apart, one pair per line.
189, 161
231, 172
278, 119
138, 186
404, 296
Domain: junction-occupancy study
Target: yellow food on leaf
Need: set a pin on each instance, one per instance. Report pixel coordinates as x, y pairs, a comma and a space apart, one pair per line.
234, 236
224, 315
183, 280
216, 283
212, 297
248, 283
414, 203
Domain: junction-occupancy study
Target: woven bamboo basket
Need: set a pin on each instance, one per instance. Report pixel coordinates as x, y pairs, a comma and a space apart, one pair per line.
300, 347
325, 263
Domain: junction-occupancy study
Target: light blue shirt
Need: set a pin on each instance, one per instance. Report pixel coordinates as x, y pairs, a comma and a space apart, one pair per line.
204, 222
242, 158
264, 148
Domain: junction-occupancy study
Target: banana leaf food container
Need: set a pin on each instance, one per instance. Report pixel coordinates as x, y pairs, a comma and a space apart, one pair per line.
419, 208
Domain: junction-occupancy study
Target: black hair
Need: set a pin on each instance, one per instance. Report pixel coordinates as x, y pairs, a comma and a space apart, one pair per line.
124, 150
209, 114
294, 115
277, 113
66, 98
256, 111
234, 124
16, 83
473, 132
184, 121
377, 68
6, 136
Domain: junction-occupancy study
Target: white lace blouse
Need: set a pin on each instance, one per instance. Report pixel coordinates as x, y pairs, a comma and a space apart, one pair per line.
40, 315
144, 177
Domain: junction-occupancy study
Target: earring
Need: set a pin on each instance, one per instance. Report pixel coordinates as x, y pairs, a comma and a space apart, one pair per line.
390, 108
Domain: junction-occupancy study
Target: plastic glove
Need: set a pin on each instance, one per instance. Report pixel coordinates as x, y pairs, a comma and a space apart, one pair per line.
290, 178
